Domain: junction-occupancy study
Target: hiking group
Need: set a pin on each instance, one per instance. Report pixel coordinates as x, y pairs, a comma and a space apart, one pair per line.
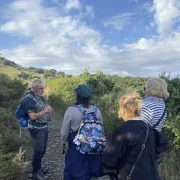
133, 151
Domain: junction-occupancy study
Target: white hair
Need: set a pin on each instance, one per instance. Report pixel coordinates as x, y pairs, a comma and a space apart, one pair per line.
156, 87
36, 82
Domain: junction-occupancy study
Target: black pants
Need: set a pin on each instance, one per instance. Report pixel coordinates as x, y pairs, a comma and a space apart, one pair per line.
40, 137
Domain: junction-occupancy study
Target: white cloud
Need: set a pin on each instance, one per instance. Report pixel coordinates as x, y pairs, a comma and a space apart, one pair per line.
67, 43
147, 6
9, 27
118, 22
73, 4
57, 40
27, 18
166, 12
89, 11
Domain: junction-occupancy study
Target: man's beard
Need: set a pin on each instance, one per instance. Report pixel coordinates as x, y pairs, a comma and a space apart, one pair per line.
41, 94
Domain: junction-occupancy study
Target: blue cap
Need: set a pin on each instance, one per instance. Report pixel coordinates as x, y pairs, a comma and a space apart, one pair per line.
84, 90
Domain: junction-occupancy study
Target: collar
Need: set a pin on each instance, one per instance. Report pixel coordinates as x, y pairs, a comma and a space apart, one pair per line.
137, 118
153, 98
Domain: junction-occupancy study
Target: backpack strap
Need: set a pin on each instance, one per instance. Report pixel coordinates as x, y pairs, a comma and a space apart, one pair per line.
95, 109
140, 153
157, 123
31, 96
28, 95
81, 109
84, 111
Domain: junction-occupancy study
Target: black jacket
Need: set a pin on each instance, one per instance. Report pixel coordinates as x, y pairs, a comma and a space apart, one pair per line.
124, 146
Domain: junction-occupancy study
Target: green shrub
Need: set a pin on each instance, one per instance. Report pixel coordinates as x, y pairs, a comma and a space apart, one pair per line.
10, 169
24, 75
10, 93
57, 103
11, 90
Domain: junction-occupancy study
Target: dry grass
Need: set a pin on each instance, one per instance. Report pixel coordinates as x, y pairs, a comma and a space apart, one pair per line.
19, 159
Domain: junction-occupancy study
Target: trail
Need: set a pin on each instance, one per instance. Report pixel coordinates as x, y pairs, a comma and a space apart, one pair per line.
54, 158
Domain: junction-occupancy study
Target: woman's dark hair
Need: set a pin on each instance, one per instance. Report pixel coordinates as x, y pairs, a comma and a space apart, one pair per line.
84, 101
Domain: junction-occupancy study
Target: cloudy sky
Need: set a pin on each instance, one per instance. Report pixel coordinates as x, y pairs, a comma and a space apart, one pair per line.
124, 37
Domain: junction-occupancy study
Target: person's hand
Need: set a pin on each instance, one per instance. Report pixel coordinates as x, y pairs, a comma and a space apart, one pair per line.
120, 177
48, 109
64, 148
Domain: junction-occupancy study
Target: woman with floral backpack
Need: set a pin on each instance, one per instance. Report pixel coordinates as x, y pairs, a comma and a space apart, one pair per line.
82, 129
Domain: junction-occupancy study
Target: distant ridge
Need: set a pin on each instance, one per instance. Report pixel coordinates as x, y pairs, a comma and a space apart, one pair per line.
6, 62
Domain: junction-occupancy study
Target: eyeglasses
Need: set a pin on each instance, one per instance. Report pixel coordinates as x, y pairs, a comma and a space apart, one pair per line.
40, 88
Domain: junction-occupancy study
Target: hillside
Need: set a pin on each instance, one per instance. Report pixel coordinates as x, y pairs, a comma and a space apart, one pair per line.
14, 70
5, 62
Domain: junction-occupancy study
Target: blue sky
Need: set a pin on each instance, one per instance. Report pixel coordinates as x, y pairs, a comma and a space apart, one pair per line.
124, 37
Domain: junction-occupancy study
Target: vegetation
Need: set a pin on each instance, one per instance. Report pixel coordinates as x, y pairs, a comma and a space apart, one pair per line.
60, 93
10, 143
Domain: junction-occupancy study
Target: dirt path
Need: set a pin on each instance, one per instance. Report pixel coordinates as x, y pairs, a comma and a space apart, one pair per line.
54, 158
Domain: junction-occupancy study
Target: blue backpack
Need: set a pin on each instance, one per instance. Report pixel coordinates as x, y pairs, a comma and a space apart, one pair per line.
21, 115
91, 137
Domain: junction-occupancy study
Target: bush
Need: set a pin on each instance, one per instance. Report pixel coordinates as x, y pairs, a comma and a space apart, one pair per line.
12, 166
11, 90
10, 93
57, 103
24, 75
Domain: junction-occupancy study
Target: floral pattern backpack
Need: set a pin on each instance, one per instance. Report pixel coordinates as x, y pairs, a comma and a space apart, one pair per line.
90, 137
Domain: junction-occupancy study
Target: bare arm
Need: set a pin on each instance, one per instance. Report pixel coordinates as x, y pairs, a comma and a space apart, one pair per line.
36, 116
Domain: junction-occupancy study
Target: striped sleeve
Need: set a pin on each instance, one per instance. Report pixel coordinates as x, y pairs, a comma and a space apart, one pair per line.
152, 111
146, 114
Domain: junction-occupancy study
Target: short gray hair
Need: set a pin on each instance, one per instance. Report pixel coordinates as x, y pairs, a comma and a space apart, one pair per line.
36, 82
156, 87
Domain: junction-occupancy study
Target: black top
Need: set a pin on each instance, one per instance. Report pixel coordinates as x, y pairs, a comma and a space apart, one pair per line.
124, 146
